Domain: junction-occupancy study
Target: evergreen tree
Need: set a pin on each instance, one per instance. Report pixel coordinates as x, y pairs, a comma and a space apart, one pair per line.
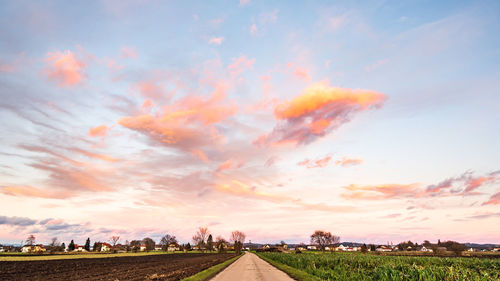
95, 247
87, 244
188, 247
63, 246
210, 243
71, 246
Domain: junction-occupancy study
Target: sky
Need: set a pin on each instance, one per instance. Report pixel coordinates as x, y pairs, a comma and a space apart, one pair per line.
375, 120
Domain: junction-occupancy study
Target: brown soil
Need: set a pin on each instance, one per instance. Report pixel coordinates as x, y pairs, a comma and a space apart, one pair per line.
154, 267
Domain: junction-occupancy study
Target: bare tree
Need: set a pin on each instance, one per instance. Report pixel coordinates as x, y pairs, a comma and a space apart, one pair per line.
114, 240
200, 237
220, 244
323, 239
238, 238
54, 244
167, 240
30, 240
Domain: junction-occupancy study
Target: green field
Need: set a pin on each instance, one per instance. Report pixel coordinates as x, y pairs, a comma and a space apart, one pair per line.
357, 266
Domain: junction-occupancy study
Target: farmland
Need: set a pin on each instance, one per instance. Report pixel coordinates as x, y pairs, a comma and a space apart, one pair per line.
145, 267
357, 266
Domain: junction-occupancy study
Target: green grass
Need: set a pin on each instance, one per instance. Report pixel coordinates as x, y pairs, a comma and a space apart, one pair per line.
31, 257
357, 266
209, 272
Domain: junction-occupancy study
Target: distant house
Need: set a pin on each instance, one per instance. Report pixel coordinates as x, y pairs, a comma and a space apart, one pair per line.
425, 249
312, 247
33, 248
105, 247
301, 247
384, 248
340, 248
143, 247
158, 248
496, 250
79, 248
173, 247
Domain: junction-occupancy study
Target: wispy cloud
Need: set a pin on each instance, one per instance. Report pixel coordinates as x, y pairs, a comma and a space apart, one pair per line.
128, 52
215, 40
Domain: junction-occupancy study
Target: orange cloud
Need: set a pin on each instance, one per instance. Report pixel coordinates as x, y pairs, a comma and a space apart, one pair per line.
99, 131
317, 111
239, 65
65, 68
344, 162
188, 124
28, 191
128, 53
229, 164
319, 163
238, 188
380, 192
215, 40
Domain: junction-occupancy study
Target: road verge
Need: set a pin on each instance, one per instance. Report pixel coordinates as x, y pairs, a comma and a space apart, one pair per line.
291, 271
212, 271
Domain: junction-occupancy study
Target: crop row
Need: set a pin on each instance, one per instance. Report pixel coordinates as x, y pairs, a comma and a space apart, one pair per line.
351, 266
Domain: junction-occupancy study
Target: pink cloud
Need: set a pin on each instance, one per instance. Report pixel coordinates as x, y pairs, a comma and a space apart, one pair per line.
151, 90
65, 68
5, 67
475, 182
302, 73
244, 2
316, 112
216, 40
239, 65
229, 164
253, 29
128, 53
147, 105
103, 157
99, 131
378, 63
494, 199
469, 182
65, 173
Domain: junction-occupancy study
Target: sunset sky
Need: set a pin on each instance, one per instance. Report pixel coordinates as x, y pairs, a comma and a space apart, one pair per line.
378, 120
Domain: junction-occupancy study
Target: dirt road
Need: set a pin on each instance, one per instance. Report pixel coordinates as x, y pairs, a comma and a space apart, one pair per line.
249, 268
